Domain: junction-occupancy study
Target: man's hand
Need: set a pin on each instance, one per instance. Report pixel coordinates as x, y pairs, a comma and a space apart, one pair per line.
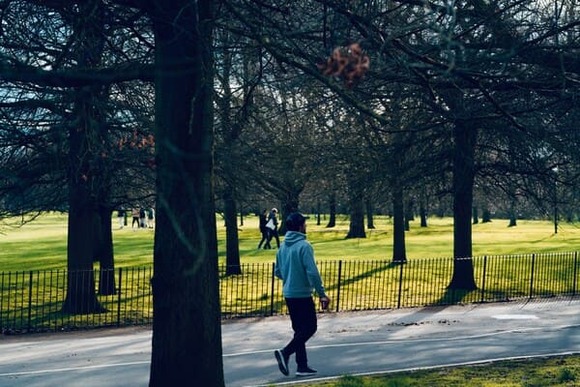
324, 302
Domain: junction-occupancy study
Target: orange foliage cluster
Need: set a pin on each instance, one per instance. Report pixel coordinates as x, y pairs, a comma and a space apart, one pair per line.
137, 142
349, 63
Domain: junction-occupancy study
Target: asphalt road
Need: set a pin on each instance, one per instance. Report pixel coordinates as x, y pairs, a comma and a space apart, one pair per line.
346, 343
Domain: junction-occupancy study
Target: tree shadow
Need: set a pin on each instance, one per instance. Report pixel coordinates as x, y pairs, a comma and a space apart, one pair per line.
369, 273
457, 296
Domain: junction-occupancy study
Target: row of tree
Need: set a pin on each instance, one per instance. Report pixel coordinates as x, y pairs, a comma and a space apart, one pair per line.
119, 103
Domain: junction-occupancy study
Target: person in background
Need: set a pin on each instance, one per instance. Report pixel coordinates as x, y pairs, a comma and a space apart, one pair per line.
272, 225
264, 230
150, 217
142, 217
135, 215
121, 217
296, 267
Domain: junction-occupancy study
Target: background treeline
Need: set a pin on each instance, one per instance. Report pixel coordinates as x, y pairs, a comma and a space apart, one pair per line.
468, 110
476, 99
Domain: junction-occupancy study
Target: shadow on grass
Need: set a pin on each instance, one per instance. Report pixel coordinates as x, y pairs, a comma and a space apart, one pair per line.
462, 296
456, 296
367, 274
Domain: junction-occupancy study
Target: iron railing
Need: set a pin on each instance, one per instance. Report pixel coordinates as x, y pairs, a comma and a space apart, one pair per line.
32, 301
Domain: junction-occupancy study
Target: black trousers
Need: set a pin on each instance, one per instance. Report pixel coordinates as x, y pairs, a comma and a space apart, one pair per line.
303, 317
274, 234
264, 239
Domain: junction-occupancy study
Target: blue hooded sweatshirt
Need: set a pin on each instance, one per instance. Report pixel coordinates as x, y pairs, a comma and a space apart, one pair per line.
296, 267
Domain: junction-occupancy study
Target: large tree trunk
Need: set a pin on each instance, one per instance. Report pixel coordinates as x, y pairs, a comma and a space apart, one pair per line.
82, 220
186, 326
357, 213
463, 177
83, 177
80, 293
105, 254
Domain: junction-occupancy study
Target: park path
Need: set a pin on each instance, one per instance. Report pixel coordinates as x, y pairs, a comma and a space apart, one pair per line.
346, 343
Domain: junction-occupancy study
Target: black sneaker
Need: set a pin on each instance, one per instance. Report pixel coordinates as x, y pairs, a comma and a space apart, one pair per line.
305, 371
282, 361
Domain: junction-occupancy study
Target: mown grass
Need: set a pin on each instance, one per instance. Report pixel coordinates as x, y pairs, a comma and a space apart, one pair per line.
557, 371
358, 273
41, 244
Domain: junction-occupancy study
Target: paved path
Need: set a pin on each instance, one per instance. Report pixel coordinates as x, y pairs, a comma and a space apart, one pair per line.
346, 343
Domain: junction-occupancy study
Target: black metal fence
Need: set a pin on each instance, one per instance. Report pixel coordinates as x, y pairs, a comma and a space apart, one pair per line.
31, 301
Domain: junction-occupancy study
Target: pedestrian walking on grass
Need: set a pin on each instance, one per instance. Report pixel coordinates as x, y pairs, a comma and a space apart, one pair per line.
272, 226
296, 267
121, 217
264, 231
135, 214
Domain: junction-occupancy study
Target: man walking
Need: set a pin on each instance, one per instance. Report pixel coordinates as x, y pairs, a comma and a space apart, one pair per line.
296, 267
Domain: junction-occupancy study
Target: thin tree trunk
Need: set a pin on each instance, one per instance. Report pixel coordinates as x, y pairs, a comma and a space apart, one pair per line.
463, 176
370, 217
399, 248
331, 211
233, 266
423, 213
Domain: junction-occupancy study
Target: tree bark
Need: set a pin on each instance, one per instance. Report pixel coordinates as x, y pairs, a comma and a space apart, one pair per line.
82, 221
233, 266
463, 177
105, 253
486, 216
357, 213
290, 203
83, 177
331, 210
370, 218
423, 213
186, 345
399, 248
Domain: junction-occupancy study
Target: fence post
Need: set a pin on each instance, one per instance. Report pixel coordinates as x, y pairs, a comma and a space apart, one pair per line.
483, 279
532, 276
272, 289
119, 297
575, 273
400, 285
29, 322
338, 285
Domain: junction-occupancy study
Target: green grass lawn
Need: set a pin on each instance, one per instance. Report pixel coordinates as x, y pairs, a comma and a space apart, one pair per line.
559, 371
42, 244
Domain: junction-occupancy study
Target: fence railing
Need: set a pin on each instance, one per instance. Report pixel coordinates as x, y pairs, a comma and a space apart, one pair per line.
32, 301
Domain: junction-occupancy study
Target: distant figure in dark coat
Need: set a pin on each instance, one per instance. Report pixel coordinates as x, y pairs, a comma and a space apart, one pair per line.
264, 231
272, 226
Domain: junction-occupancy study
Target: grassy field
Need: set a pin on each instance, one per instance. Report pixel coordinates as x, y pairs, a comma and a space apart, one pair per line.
560, 371
42, 244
